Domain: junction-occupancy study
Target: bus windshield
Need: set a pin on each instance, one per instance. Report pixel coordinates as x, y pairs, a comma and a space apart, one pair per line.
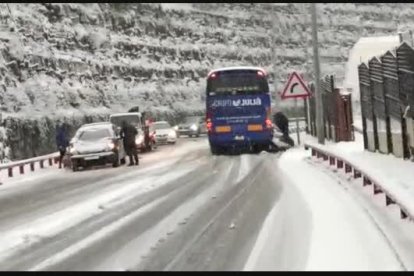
237, 82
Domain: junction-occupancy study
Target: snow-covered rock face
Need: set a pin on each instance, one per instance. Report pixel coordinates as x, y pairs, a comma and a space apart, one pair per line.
87, 59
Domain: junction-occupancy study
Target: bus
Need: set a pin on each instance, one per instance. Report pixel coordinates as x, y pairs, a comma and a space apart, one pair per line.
238, 109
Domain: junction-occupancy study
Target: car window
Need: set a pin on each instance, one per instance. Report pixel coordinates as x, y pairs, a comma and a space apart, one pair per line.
94, 134
162, 126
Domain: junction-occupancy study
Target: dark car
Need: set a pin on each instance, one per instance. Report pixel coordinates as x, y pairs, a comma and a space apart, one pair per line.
192, 126
135, 119
96, 144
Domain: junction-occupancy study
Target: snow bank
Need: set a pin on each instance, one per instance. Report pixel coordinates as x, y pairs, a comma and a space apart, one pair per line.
317, 225
343, 237
177, 6
393, 174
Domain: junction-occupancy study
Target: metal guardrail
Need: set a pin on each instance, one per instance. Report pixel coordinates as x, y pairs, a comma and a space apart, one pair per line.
299, 118
293, 129
357, 129
50, 158
368, 179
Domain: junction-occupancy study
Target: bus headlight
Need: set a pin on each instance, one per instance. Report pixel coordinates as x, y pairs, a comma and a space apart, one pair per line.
193, 127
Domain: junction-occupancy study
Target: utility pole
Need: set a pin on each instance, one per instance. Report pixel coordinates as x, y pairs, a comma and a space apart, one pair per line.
307, 70
318, 92
275, 68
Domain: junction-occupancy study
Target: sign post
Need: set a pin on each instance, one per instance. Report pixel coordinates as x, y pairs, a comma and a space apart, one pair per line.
296, 89
297, 122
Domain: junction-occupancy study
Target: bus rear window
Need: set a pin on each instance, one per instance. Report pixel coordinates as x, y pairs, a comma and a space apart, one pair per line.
237, 82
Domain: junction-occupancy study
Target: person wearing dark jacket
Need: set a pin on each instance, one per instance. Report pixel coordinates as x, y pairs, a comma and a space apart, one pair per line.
61, 142
128, 133
282, 122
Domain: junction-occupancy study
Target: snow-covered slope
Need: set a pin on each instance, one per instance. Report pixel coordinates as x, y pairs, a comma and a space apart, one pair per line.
79, 60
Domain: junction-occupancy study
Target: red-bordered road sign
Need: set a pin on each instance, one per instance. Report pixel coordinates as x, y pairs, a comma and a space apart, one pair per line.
295, 88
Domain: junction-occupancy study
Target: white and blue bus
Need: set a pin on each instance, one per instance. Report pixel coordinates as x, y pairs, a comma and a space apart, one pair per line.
238, 109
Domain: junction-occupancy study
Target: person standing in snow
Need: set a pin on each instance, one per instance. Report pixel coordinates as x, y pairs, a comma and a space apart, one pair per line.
128, 133
61, 142
282, 122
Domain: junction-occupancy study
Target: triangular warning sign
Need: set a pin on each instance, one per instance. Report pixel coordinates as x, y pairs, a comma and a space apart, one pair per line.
295, 88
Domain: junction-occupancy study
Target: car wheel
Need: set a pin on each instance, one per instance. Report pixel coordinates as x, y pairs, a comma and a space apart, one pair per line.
123, 161
116, 162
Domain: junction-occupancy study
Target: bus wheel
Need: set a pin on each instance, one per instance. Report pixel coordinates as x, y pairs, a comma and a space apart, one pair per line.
215, 150
255, 149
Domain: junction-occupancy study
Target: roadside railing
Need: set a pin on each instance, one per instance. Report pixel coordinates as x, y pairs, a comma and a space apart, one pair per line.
293, 129
368, 179
357, 129
30, 164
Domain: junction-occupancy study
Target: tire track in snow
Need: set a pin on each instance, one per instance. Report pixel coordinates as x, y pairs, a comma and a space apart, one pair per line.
224, 230
176, 164
87, 257
94, 217
171, 227
282, 243
62, 192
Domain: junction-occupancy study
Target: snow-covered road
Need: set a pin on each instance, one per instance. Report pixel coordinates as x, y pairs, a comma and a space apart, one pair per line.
184, 209
324, 222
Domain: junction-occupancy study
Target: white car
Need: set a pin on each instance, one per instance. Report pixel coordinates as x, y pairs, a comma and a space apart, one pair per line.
96, 144
164, 133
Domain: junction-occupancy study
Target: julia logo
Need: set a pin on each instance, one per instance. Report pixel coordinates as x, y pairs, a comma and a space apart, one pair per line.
251, 102
236, 102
